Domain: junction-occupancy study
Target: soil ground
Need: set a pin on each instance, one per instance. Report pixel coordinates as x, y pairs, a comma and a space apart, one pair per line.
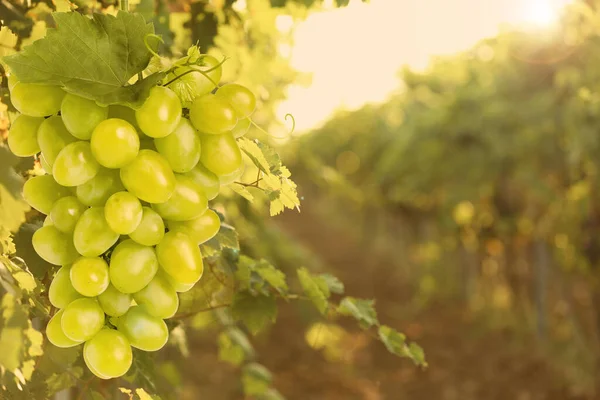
466, 361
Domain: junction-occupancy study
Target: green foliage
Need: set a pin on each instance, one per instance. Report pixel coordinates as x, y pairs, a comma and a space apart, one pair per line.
316, 289
12, 206
361, 310
395, 342
239, 292
256, 379
234, 346
117, 50
275, 178
255, 311
21, 344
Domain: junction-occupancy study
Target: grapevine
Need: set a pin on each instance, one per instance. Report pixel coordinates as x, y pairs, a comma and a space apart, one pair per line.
131, 159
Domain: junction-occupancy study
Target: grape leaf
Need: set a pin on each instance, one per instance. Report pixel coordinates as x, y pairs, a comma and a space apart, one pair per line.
315, 288
234, 346
417, 354
8, 41
271, 275
275, 178
362, 310
333, 283
242, 191
93, 58
254, 311
227, 237
256, 379
393, 340
12, 206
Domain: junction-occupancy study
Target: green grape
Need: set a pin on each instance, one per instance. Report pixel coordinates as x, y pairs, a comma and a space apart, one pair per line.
125, 113
181, 148
91, 367
66, 212
206, 179
55, 334
81, 115
92, 235
180, 257
144, 331
123, 212
212, 114
22, 136
179, 287
193, 84
241, 127
89, 276
48, 221
41, 192
113, 302
200, 229
240, 97
96, 191
160, 113
75, 164
220, 154
61, 292
149, 177
108, 354
54, 246
225, 180
158, 297
52, 137
187, 202
132, 266
36, 100
82, 319
115, 143
151, 229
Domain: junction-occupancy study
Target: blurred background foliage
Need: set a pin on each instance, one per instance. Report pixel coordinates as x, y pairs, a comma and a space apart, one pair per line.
466, 204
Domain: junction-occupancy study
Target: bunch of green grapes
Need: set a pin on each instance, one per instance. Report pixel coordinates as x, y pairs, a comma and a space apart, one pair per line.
126, 197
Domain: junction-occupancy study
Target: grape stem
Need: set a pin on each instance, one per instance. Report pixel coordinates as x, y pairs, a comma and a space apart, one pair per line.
288, 115
253, 184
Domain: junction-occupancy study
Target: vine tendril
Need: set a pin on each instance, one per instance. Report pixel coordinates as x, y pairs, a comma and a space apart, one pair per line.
203, 72
288, 115
150, 49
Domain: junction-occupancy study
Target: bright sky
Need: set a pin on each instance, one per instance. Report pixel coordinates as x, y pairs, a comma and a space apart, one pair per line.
354, 53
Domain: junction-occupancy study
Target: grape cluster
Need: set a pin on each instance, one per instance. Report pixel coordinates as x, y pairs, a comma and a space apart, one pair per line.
126, 197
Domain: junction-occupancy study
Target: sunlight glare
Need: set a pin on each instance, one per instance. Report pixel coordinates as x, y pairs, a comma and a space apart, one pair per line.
542, 13
354, 53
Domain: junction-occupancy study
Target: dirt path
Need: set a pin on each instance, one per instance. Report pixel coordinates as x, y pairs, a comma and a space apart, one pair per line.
466, 361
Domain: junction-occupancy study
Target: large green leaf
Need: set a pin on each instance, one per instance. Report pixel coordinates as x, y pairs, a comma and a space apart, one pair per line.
91, 57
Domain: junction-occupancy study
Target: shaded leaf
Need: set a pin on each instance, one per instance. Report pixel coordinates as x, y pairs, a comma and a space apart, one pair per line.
393, 340
256, 312
272, 275
256, 379
362, 310
333, 283
315, 288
